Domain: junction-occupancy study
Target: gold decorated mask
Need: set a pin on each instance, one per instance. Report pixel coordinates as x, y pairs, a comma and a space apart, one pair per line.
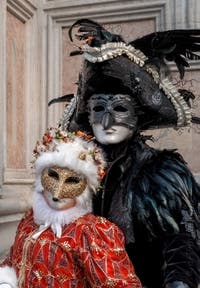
62, 182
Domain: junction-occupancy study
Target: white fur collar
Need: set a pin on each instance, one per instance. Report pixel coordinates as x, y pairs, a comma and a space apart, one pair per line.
46, 217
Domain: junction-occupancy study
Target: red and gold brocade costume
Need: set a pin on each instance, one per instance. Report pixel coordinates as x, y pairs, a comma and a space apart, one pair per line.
90, 253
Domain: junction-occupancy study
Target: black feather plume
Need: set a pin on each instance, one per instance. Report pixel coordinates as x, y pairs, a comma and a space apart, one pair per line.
195, 120
65, 98
75, 53
93, 33
172, 45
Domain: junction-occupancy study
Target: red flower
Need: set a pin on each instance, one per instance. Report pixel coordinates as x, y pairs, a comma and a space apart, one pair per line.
84, 135
47, 138
101, 173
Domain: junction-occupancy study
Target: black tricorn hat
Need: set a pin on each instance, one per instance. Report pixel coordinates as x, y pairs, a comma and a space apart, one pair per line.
112, 66
120, 76
159, 103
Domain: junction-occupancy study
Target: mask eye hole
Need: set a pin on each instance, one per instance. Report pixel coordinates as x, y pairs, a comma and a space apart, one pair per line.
98, 108
52, 173
120, 109
73, 179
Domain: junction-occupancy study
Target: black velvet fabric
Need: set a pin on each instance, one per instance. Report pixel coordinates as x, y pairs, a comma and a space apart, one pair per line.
182, 258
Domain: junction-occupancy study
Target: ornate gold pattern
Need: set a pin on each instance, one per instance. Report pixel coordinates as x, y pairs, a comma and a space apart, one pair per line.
71, 260
62, 182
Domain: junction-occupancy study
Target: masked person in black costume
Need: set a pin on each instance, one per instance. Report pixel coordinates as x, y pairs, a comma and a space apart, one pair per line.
150, 194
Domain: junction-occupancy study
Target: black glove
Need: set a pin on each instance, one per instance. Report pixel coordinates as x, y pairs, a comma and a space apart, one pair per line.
177, 284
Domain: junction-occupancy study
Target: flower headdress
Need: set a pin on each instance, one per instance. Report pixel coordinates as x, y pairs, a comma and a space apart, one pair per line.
75, 151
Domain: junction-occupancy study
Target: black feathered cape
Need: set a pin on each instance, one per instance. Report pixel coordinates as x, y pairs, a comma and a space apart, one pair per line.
154, 198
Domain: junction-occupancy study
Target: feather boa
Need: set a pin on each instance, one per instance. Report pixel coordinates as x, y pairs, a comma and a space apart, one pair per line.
46, 217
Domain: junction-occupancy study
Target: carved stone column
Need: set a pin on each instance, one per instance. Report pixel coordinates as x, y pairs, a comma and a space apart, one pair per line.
19, 110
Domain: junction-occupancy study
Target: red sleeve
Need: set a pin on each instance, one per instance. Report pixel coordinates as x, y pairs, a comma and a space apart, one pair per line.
103, 256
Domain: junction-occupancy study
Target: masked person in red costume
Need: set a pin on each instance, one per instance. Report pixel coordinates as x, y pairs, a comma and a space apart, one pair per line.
59, 242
